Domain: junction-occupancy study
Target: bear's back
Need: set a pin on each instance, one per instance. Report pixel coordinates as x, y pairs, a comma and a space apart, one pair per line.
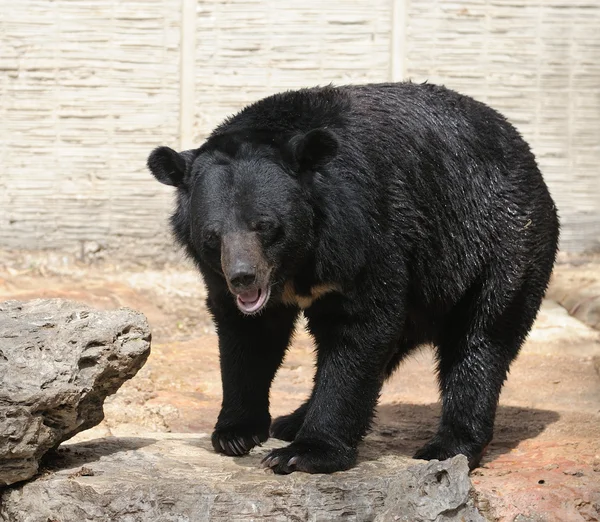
392, 124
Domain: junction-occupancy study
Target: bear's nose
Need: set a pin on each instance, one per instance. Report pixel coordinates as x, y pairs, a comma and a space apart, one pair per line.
242, 276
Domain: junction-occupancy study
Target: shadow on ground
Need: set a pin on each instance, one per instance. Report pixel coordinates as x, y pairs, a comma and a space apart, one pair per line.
403, 428
400, 429
82, 453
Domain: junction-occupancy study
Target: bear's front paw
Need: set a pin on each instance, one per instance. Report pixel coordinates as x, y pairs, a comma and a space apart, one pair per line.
236, 442
440, 448
310, 456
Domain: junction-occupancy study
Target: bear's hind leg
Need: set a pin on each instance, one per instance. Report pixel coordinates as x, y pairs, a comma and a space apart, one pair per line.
470, 384
474, 355
287, 426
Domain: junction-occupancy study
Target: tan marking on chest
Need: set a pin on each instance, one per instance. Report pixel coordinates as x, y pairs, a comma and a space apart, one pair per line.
290, 297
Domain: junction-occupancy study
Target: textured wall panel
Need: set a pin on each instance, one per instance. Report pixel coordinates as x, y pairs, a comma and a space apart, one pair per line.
247, 49
538, 62
87, 88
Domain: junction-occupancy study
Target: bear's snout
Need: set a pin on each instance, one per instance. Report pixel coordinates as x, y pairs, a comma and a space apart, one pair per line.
246, 270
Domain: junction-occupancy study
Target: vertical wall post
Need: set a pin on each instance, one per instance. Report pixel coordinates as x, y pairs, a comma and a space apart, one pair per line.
398, 40
187, 74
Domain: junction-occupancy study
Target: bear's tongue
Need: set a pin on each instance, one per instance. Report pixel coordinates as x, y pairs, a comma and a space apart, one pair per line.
249, 298
252, 301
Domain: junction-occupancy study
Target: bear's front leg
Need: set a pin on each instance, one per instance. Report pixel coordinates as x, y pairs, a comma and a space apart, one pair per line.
352, 356
251, 349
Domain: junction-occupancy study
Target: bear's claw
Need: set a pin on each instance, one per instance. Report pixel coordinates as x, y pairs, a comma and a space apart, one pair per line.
310, 457
235, 444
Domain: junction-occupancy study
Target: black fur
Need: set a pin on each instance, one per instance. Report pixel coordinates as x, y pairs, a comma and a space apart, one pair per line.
425, 214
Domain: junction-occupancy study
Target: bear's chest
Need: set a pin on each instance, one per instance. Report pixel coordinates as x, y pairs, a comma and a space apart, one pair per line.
306, 297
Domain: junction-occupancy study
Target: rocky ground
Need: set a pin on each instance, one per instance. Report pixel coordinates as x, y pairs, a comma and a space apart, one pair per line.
544, 463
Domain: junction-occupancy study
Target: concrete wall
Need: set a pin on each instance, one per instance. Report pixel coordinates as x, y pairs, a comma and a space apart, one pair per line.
88, 88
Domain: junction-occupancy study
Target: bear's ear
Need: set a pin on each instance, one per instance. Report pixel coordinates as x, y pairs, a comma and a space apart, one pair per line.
314, 149
168, 166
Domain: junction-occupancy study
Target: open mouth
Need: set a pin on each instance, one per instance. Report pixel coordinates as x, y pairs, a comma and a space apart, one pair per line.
253, 301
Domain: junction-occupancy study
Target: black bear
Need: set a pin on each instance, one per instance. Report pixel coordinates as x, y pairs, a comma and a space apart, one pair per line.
393, 215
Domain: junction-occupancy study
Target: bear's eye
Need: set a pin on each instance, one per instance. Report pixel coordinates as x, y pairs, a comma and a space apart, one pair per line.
263, 225
269, 230
211, 240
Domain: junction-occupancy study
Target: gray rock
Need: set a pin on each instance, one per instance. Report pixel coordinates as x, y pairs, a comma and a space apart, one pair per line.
178, 478
58, 362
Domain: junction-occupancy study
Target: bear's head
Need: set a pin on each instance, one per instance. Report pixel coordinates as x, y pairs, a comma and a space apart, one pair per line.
246, 207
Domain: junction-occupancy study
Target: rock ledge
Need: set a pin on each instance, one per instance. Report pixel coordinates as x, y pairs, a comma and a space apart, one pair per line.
58, 362
178, 478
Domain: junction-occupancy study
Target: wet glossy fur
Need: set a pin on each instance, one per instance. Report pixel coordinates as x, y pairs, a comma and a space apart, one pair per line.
421, 212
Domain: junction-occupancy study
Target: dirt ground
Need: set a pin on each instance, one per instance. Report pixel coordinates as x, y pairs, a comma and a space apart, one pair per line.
544, 461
